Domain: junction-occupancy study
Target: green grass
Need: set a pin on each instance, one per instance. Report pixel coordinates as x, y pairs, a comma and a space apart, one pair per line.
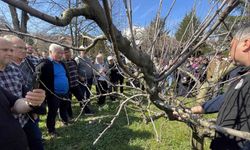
137, 135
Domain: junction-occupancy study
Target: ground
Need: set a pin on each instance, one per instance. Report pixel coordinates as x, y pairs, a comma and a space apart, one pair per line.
135, 135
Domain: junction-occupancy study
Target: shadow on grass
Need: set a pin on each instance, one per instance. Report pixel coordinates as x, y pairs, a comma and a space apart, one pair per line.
82, 133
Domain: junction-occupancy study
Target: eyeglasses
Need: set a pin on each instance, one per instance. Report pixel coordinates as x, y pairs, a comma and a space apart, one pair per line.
20, 47
7, 49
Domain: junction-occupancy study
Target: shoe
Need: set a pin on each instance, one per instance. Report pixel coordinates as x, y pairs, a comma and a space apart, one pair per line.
53, 134
88, 111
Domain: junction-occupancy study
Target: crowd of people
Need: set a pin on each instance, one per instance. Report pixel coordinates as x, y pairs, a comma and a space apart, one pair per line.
29, 84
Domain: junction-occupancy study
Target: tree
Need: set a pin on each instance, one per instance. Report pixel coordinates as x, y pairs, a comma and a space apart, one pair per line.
187, 27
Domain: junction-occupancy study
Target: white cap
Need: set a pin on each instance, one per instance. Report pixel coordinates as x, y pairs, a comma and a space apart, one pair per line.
109, 58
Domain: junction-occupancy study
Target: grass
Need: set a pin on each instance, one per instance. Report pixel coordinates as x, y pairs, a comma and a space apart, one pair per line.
136, 135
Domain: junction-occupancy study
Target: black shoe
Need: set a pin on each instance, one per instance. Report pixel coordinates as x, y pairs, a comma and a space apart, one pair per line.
90, 113
87, 111
53, 134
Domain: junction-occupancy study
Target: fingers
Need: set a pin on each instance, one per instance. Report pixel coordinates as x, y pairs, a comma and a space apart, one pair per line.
36, 97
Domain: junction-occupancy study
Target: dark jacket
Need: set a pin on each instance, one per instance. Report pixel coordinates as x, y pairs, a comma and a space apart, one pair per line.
46, 70
235, 114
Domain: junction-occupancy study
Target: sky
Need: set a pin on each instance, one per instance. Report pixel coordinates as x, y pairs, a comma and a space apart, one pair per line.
143, 12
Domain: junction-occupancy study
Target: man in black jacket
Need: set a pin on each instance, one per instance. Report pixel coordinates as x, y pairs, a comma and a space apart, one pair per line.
235, 110
54, 77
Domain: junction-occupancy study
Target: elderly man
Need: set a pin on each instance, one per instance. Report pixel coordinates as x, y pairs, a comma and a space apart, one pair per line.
54, 77
235, 110
15, 80
75, 87
11, 133
85, 72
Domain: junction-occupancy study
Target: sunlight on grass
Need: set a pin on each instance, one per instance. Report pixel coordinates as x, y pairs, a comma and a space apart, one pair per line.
137, 135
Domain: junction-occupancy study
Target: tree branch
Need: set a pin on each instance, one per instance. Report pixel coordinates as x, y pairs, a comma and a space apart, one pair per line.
95, 40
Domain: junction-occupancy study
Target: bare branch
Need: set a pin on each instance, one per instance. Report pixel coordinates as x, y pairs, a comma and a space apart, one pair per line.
95, 40
64, 20
117, 114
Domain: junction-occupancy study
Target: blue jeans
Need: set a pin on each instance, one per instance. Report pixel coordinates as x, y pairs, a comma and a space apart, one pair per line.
34, 135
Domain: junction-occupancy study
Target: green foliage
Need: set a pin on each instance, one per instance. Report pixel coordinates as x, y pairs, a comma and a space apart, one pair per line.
187, 27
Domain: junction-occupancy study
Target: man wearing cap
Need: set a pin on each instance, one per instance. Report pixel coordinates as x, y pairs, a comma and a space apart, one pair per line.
114, 76
85, 72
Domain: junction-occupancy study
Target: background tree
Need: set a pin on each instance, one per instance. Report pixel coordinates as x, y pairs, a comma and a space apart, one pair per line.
187, 27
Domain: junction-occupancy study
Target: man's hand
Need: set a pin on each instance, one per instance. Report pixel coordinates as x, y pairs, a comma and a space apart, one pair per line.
35, 97
81, 78
185, 114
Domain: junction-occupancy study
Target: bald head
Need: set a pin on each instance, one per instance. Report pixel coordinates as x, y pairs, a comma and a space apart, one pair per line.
5, 52
19, 48
15, 40
5, 44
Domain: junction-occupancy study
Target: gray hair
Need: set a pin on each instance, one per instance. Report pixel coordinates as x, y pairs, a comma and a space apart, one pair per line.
243, 33
53, 47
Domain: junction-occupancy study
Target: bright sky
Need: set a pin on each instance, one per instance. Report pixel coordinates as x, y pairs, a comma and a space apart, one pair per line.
143, 12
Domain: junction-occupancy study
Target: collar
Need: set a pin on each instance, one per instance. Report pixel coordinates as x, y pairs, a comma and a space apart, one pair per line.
244, 70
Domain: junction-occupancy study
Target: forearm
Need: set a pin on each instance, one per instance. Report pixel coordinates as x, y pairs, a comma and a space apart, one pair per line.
21, 106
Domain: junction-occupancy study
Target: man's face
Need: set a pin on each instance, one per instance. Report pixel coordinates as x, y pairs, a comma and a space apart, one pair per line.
19, 49
57, 54
5, 52
99, 59
111, 61
30, 49
67, 54
82, 53
239, 52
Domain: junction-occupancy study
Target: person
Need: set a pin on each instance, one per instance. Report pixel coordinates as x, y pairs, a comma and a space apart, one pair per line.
45, 55
113, 77
74, 82
102, 78
11, 134
213, 105
15, 80
234, 112
54, 78
85, 72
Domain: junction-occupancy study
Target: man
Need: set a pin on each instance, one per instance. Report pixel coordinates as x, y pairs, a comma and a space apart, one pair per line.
85, 72
45, 54
235, 110
11, 133
102, 79
114, 76
234, 113
16, 81
54, 78
75, 87
214, 105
